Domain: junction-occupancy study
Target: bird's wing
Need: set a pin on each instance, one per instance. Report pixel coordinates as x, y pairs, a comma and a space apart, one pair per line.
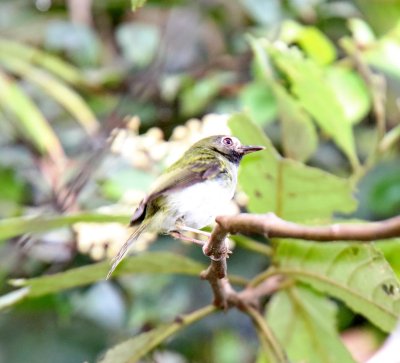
176, 178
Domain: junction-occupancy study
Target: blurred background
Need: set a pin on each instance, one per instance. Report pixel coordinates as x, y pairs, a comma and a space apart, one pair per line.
165, 75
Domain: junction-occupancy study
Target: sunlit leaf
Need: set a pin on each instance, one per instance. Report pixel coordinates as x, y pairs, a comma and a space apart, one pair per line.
52, 63
29, 117
132, 350
12, 227
305, 323
13, 298
288, 188
312, 41
358, 274
59, 91
391, 251
317, 97
351, 92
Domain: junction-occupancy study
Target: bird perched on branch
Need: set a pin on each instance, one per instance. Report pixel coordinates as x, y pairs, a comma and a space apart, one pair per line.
191, 192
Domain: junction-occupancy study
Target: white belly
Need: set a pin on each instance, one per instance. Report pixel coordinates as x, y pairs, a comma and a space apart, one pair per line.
199, 204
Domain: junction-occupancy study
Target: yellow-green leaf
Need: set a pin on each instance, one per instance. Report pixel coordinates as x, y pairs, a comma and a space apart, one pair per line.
58, 90
305, 323
134, 349
45, 60
358, 274
286, 187
12, 227
144, 263
29, 117
317, 97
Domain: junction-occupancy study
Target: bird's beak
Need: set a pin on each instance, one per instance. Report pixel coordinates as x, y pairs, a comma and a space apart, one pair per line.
250, 149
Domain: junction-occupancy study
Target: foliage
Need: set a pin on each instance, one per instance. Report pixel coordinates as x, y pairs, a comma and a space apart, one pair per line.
295, 77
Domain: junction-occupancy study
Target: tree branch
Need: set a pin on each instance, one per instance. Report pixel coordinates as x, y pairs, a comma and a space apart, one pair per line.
270, 226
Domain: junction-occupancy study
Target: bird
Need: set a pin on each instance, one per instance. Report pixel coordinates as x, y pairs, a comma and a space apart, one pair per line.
191, 192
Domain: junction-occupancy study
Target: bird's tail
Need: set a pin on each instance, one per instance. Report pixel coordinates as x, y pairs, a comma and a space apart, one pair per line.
125, 248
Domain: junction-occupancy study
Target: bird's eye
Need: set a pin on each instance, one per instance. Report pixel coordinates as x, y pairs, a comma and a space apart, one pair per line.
227, 141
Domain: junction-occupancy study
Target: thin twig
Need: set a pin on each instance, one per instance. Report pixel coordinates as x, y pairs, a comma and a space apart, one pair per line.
267, 336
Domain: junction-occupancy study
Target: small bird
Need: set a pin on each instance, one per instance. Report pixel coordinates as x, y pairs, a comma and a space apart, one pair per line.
191, 192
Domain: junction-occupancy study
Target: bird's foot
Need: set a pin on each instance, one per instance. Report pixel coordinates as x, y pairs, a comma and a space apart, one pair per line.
217, 255
180, 226
181, 236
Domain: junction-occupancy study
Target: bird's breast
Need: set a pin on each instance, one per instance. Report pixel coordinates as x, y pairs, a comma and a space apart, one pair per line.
199, 204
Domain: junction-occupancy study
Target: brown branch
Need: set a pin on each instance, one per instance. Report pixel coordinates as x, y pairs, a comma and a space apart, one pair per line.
271, 225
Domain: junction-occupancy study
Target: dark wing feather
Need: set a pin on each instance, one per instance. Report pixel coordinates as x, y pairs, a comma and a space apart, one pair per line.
140, 213
178, 177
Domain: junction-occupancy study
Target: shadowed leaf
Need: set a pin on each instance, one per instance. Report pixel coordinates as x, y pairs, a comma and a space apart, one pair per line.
299, 137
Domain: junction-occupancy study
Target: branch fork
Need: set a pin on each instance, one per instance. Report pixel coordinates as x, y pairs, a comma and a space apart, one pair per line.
270, 225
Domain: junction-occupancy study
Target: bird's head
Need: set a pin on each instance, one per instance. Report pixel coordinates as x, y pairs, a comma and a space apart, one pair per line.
228, 146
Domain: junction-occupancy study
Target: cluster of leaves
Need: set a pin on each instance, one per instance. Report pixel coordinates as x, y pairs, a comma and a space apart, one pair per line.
313, 94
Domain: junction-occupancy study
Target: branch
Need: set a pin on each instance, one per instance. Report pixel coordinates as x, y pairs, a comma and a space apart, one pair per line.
271, 226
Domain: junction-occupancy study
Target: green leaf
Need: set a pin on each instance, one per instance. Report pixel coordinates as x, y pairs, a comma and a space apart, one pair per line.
148, 263
351, 92
312, 41
317, 97
299, 137
136, 348
305, 323
136, 4
59, 91
12, 188
29, 117
259, 101
288, 188
197, 95
12, 227
119, 182
358, 274
391, 251
31, 55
